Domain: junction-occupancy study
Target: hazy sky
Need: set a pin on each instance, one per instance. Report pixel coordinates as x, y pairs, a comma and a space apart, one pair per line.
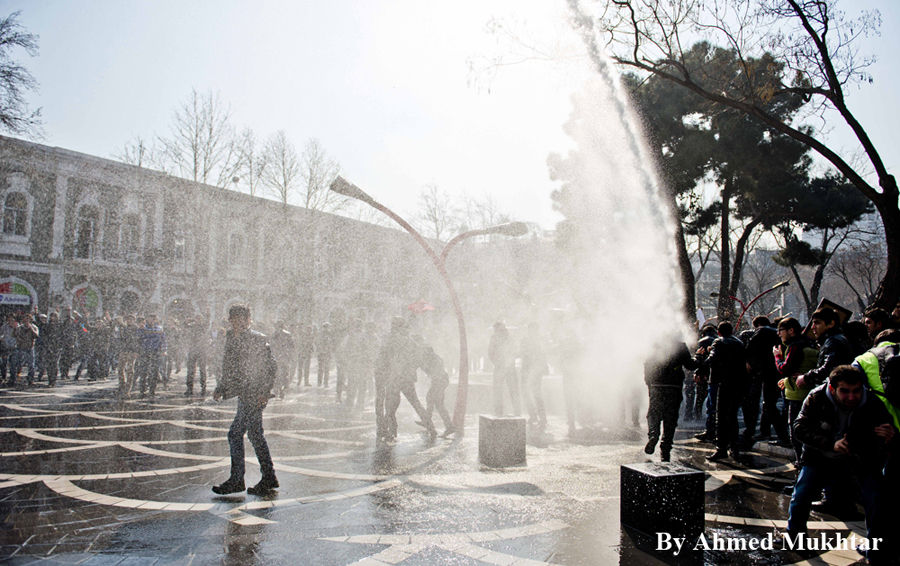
383, 85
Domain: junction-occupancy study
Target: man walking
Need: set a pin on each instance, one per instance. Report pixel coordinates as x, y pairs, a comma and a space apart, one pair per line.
664, 376
153, 352
728, 372
248, 373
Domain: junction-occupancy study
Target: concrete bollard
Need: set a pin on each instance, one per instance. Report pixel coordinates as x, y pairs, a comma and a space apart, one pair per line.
663, 498
501, 441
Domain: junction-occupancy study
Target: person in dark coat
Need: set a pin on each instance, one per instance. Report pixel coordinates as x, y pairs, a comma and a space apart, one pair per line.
728, 373
834, 349
764, 378
197, 337
664, 376
306, 345
433, 366
52, 345
153, 355
846, 432
248, 373
324, 353
282, 343
396, 370
705, 392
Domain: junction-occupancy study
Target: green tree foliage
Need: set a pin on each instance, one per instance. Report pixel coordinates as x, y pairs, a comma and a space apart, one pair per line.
809, 51
827, 208
762, 175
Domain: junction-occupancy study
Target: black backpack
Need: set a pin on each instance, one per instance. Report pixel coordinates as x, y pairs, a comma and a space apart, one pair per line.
889, 365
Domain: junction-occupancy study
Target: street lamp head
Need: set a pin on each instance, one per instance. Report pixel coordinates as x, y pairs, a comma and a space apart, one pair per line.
510, 229
782, 284
343, 187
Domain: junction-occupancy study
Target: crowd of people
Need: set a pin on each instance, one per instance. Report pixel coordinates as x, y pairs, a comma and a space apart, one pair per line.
144, 354
830, 393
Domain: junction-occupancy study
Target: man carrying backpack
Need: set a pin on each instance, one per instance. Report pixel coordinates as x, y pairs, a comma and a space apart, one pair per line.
881, 365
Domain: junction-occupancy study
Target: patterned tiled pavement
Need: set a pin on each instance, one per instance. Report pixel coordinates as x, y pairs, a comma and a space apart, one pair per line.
87, 478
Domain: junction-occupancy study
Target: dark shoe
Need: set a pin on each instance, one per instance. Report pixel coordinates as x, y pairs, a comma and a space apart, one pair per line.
230, 486
664, 455
717, 455
734, 454
450, 430
780, 540
263, 487
840, 511
651, 446
188, 393
705, 437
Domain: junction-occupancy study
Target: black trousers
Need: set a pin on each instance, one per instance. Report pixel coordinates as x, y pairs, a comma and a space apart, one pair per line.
665, 404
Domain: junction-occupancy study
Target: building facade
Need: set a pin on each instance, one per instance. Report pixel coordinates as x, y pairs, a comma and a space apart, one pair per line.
99, 235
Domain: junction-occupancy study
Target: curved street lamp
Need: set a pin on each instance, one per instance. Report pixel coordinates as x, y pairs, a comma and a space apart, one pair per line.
344, 187
745, 308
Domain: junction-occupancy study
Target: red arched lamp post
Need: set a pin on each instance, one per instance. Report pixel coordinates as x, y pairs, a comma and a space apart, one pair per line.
343, 187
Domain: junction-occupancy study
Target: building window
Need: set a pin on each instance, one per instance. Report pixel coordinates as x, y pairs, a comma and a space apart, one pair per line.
131, 234
15, 214
86, 227
236, 250
179, 246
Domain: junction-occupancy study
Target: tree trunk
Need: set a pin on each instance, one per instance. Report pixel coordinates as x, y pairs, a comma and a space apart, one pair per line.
688, 280
815, 287
802, 288
888, 293
740, 249
725, 307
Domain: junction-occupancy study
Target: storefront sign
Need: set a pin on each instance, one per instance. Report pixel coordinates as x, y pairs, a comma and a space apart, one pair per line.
14, 294
7, 299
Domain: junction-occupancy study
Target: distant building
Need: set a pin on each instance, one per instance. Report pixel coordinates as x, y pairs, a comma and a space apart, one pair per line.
99, 235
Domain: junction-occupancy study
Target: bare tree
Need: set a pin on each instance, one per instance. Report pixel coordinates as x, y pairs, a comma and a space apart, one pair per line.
861, 267
483, 212
203, 146
140, 153
254, 162
365, 213
16, 80
283, 175
317, 171
788, 52
436, 215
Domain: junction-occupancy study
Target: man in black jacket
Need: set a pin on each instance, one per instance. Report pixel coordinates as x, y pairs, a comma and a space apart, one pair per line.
728, 372
664, 376
248, 373
764, 378
845, 431
834, 349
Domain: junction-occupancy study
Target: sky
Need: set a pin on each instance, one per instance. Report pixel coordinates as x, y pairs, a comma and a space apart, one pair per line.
385, 86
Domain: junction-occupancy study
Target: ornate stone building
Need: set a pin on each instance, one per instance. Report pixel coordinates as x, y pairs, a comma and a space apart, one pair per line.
99, 235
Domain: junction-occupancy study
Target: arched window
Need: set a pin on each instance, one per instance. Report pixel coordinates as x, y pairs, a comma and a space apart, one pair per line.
236, 250
15, 214
131, 233
86, 231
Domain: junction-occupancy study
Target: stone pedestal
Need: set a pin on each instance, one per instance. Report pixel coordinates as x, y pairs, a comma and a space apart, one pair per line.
501, 441
663, 498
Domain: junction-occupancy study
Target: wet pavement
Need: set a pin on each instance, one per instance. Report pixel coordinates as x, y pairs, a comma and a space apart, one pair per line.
86, 478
